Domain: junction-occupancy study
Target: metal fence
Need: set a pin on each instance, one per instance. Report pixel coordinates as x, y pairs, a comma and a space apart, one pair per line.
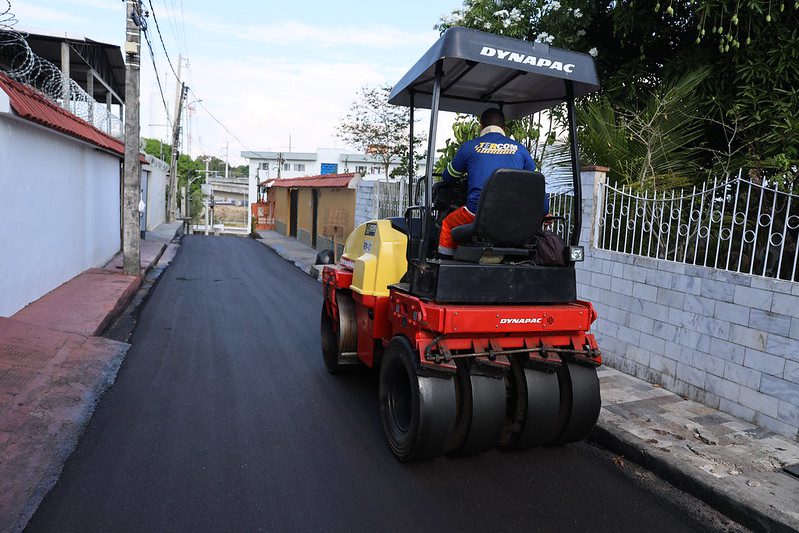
560, 205
733, 224
392, 200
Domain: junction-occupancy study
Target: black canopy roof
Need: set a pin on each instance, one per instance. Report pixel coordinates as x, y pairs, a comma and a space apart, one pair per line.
482, 70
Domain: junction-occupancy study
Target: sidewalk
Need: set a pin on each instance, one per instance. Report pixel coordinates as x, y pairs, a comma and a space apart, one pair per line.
732, 465
289, 248
53, 369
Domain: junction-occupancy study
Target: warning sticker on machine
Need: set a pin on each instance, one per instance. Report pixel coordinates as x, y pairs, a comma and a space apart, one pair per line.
367, 247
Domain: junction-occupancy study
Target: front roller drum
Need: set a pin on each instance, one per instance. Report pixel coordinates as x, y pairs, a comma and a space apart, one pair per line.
580, 402
417, 408
480, 397
533, 406
339, 336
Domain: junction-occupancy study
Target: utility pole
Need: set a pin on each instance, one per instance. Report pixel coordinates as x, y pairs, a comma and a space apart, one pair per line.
131, 181
173, 168
227, 158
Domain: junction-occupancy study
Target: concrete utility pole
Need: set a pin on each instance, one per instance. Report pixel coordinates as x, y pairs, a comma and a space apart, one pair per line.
173, 169
227, 158
131, 237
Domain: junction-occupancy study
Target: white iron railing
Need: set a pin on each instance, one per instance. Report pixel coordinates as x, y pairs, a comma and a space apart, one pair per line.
732, 224
560, 205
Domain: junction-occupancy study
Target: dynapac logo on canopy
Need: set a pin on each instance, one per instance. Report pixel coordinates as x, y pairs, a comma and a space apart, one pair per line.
527, 60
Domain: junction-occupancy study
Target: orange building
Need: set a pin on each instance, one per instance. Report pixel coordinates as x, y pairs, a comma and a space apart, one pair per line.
316, 210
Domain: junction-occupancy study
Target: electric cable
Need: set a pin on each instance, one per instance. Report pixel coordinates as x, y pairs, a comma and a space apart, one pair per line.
161, 38
157, 75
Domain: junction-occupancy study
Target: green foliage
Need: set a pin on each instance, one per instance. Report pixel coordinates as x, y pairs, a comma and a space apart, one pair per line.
750, 48
189, 168
654, 147
465, 128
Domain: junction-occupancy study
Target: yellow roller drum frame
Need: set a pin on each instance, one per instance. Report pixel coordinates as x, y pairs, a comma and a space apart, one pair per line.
376, 254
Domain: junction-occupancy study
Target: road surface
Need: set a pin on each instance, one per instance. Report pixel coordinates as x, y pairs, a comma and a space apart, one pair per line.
224, 418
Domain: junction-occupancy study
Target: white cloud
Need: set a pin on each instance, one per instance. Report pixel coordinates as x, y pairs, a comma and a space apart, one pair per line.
292, 32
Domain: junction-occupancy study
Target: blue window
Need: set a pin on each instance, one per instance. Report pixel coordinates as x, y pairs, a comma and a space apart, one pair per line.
329, 168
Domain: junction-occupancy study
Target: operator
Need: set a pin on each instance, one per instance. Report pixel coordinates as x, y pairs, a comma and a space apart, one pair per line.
478, 159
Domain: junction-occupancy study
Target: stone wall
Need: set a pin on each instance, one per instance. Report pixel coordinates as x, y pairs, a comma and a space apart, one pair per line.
365, 202
728, 340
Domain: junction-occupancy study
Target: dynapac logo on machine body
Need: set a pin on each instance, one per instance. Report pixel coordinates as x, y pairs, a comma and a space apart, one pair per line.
527, 60
521, 320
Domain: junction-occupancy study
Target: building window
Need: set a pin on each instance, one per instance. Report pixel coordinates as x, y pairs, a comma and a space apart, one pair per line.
299, 167
376, 170
286, 166
329, 168
360, 170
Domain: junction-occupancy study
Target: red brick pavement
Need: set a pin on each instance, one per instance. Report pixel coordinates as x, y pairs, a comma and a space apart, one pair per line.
49, 383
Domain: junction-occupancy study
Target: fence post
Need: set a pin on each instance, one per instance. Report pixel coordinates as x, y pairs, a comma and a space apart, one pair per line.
593, 179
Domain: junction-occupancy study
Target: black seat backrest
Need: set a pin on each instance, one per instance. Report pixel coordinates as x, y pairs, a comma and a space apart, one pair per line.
511, 207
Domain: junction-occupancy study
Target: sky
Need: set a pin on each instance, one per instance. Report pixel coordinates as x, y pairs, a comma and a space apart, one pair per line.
274, 73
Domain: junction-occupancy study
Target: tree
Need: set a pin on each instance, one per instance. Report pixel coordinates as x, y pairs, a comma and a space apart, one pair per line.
375, 127
750, 48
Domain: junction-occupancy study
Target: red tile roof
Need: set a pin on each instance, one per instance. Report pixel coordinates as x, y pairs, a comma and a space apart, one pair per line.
32, 105
324, 180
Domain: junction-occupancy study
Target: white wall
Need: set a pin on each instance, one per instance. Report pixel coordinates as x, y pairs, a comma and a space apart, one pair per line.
156, 195
59, 210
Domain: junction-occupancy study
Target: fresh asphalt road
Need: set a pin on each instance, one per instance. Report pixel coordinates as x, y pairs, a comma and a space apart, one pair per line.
223, 418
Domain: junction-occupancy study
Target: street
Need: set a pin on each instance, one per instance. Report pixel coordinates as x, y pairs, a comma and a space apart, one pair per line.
223, 417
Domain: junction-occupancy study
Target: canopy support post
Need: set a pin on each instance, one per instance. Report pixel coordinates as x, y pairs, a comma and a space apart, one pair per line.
577, 204
427, 226
411, 164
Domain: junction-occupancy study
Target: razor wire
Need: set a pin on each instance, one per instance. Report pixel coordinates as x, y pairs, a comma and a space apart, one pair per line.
735, 223
20, 63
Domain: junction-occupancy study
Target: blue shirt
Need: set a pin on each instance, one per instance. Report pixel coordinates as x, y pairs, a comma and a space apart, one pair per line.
480, 157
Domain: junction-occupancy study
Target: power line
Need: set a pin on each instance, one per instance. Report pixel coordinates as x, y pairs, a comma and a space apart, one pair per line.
199, 101
157, 75
161, 38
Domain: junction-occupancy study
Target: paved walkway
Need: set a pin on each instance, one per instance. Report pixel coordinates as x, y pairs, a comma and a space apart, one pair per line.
304, 257
164, 232
731, 464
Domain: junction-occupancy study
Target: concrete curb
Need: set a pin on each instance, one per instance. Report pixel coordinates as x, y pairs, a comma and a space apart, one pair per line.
687, 478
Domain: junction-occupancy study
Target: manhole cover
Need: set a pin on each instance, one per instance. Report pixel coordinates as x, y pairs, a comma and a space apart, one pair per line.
793, 470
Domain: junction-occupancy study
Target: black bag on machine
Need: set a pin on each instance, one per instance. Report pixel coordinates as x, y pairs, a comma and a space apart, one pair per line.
550, 250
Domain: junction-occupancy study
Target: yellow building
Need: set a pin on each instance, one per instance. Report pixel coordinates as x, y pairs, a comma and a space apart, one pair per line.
316, 210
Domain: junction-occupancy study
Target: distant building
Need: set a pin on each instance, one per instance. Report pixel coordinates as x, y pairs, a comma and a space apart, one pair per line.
231, 191
270, 165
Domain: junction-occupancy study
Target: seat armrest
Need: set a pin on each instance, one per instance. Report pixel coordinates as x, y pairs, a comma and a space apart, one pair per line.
463, 233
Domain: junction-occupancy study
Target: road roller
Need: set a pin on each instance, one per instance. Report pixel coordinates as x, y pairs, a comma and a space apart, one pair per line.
488, 348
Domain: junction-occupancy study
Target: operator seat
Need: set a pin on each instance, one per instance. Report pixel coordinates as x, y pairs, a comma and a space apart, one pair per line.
509, 214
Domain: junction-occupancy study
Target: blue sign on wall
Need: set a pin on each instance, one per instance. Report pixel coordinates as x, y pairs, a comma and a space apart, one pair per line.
329, 168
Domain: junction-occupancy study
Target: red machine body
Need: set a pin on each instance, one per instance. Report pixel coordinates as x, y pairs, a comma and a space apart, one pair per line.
442, 332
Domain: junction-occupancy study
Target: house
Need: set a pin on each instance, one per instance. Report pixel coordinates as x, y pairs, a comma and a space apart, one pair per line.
317, 210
